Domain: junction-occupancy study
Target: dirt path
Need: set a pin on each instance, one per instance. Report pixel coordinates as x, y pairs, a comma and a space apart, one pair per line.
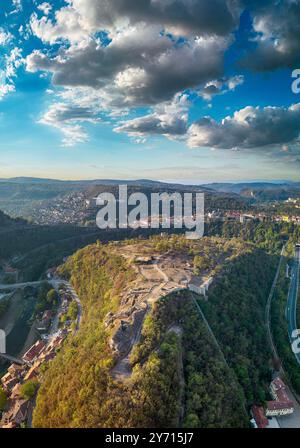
162, 273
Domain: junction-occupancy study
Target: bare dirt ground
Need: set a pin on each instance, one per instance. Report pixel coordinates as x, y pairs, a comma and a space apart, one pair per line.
152, 283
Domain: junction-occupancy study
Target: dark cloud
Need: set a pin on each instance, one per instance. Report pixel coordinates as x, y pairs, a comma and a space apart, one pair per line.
138, 71
248, 128
277, 25
169, 119
217, 17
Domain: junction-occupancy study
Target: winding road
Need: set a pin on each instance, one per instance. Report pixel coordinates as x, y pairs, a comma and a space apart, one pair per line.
55, 283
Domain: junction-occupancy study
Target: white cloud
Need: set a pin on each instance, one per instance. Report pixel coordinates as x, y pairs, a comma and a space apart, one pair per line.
5, 37
249, 128
220, 86
277, 25
5, 88
140, 64
168, 119
17, 4
12, 61
45, 8
68, 119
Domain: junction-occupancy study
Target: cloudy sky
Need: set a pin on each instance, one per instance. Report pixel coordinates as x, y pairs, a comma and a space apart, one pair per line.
185, 90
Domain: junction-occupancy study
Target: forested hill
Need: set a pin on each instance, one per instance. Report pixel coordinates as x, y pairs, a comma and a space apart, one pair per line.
179, 377
6, 221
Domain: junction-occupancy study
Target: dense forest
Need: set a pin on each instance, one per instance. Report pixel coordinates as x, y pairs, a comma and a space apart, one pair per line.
179, 376
267, 236
280, 330
236, 310
6, 221
4, 303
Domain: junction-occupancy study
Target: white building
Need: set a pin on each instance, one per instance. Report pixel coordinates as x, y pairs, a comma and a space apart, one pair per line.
201, 288
279, 408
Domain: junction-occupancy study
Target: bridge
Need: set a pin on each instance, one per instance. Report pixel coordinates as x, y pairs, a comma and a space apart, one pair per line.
13, 359
7, 287
14, 286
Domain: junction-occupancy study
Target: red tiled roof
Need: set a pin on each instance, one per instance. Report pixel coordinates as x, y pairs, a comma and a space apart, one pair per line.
10, 270
259, 416
278, 383
47, 315
34, 351
280, 390
278, 405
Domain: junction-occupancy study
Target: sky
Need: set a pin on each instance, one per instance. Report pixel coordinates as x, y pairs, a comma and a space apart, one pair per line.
174, 90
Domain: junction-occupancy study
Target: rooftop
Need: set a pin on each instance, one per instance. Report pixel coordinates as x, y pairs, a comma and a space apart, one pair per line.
259, 416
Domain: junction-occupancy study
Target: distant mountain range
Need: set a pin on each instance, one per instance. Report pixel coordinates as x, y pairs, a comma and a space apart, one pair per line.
260, 191
239, 187
27, 196
84, 183
217, 186
48, 200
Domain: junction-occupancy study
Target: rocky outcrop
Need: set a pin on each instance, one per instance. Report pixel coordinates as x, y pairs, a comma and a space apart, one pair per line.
127, 326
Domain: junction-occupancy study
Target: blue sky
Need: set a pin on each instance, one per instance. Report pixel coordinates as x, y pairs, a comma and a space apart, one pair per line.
126, 93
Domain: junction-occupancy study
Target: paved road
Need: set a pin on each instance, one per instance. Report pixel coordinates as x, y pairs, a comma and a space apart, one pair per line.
291, 311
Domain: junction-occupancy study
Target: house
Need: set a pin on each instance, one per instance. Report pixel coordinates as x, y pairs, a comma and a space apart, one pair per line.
16, 413
33, 371
278, 408
278, 390
15, 369
8, 382
34, 351
12, 377
282, 405
46, 357
259, 418
11, 272
44, 323
47, 315
200, 287
197, 289
16, 392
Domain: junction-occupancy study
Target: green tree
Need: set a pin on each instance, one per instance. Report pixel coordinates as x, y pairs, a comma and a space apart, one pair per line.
73, 311
51, 296
28, 389
3, 399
